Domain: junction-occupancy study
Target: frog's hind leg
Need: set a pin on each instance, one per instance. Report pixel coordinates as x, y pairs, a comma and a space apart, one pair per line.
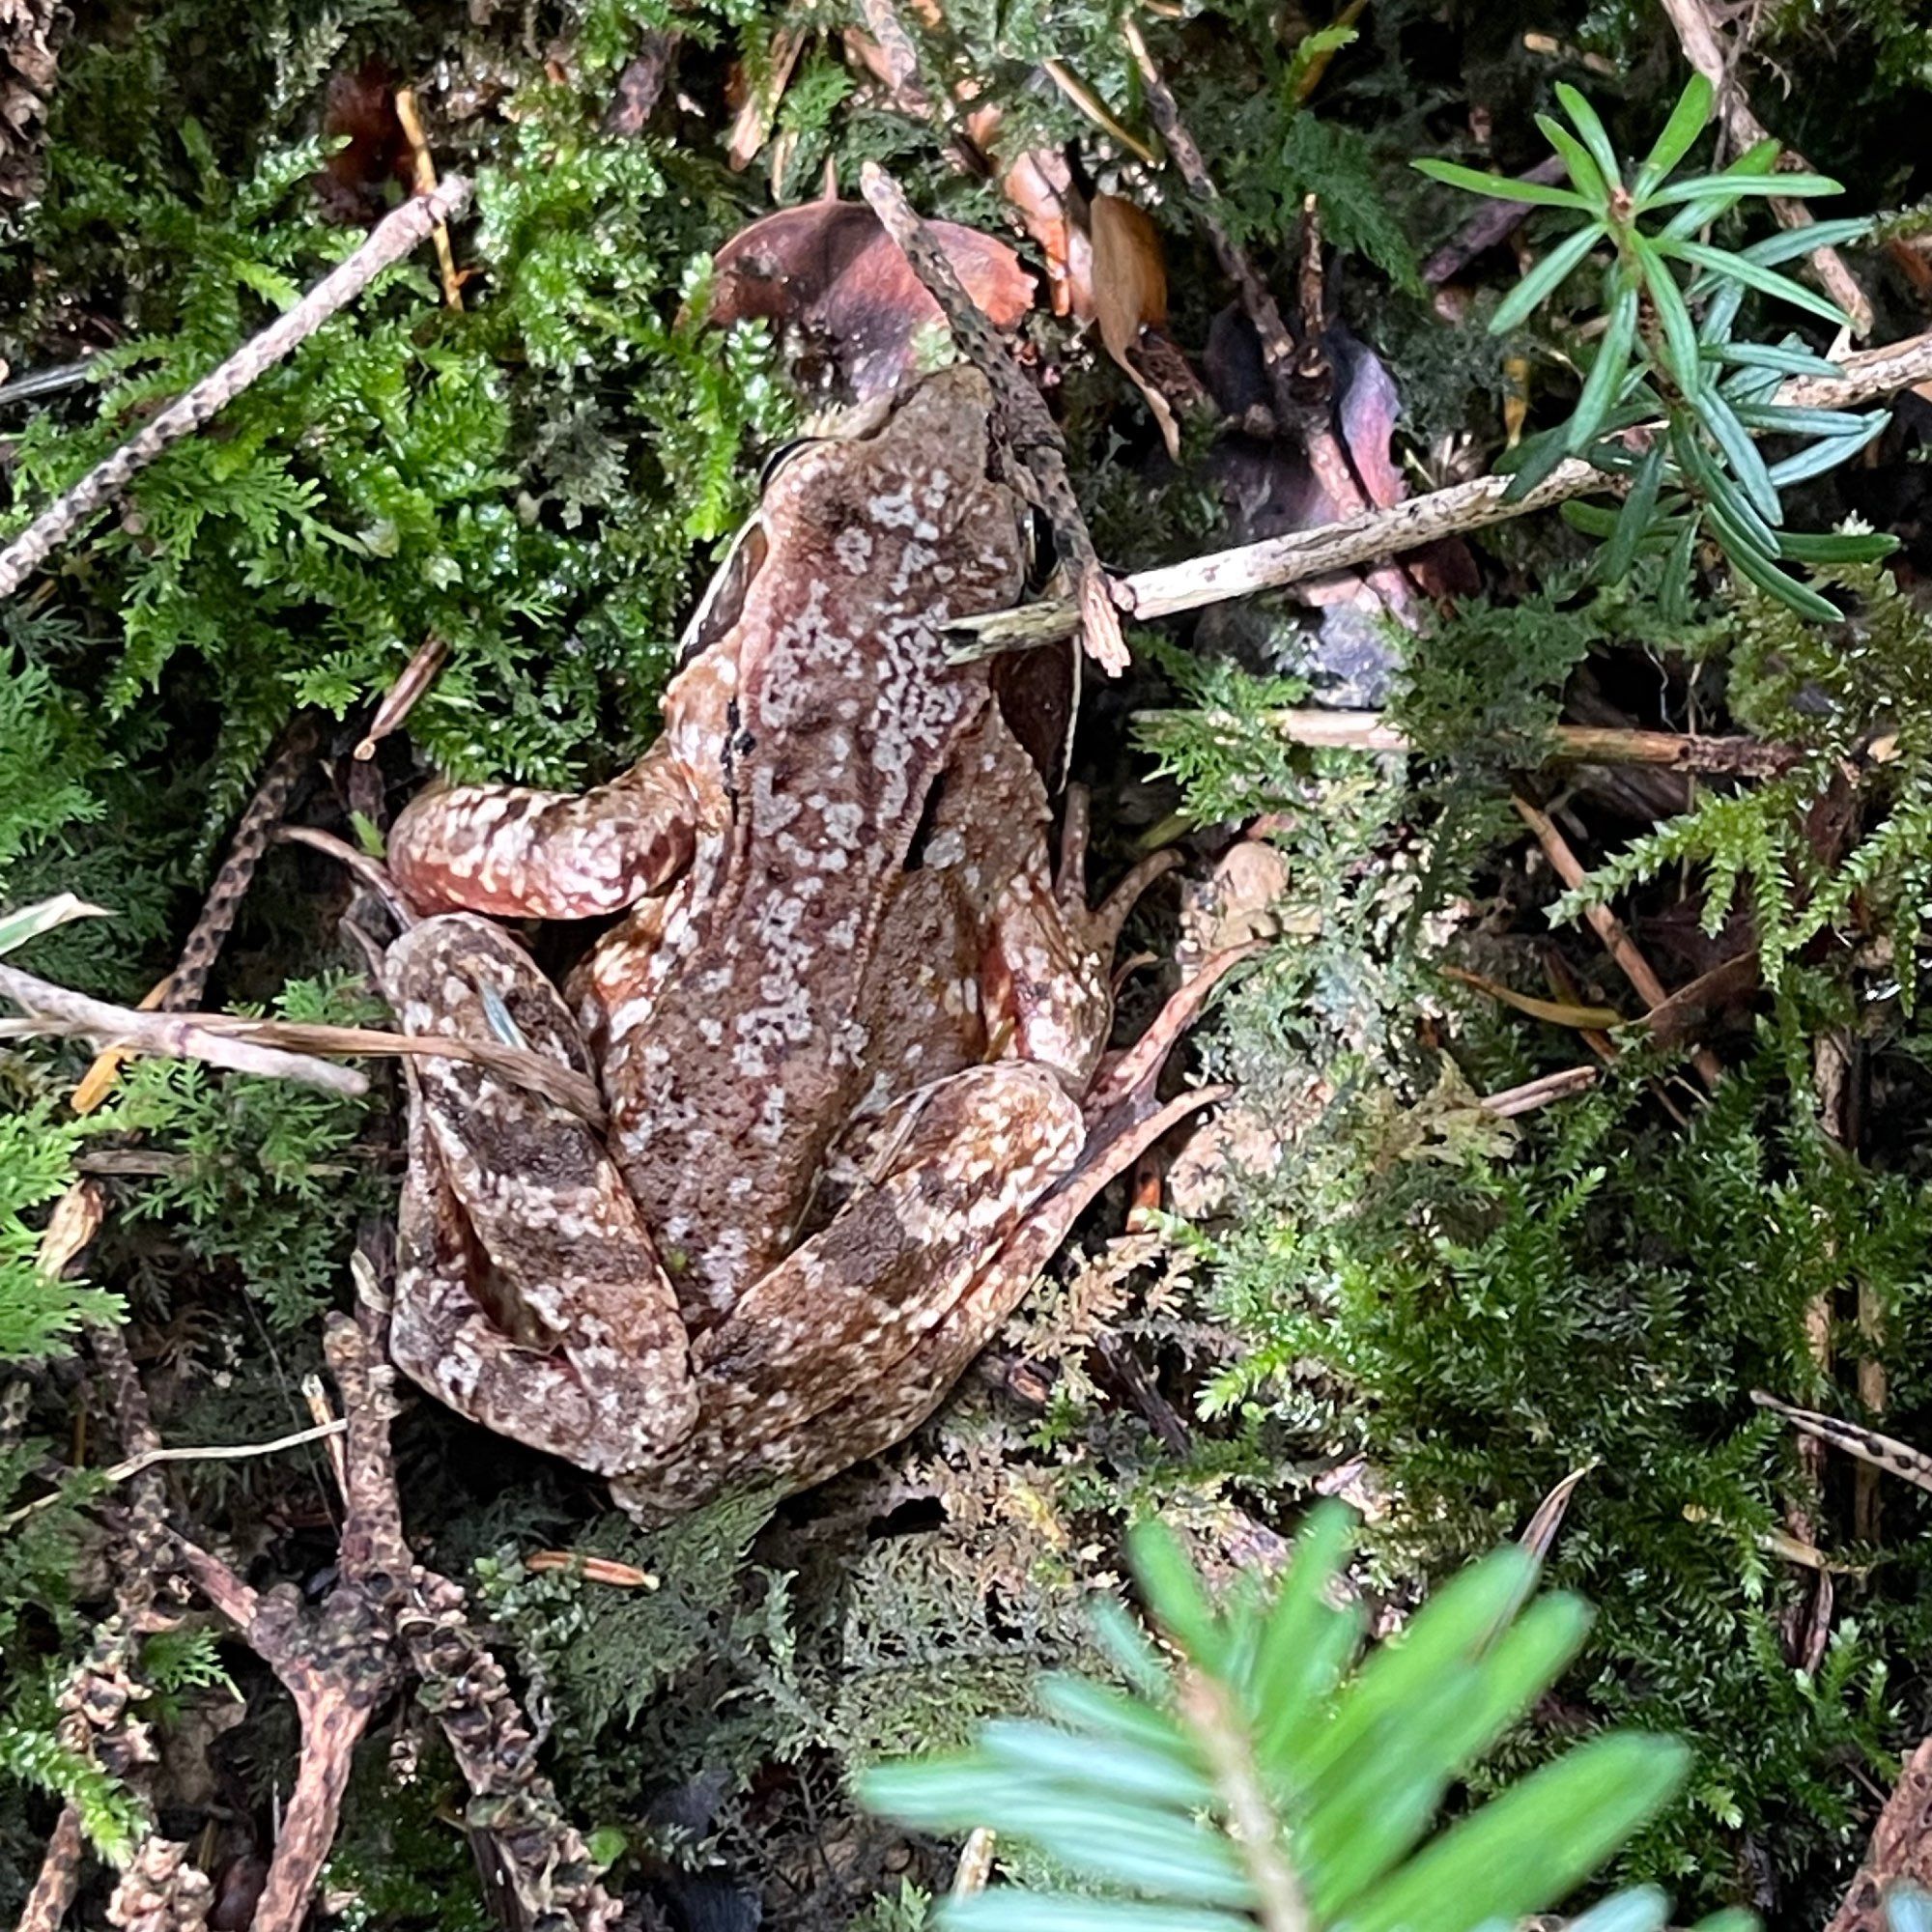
804, 1378
524, 854
528, 1296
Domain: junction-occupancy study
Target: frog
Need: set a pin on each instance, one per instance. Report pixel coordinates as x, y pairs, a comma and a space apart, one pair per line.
850, 1024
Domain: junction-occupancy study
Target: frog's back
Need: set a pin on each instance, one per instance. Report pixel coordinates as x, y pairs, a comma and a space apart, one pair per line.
731, 1075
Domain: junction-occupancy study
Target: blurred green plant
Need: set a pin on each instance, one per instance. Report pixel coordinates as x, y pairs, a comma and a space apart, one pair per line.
1264, 1775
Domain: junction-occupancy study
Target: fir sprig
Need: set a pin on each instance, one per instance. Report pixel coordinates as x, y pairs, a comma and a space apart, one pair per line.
1657, 357
1267, 1775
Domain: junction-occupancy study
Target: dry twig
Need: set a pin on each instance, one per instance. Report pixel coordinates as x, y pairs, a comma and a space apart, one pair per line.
1704, 48
280, 1049
1257, 299
57, 1010
424, 166
199, 1452
1563, 1085
1491, 224
396, 236
1610, 929
1564, 743
1293, 559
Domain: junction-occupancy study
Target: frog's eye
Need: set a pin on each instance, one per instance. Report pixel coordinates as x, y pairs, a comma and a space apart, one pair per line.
1042, 554
723, 599
783, 454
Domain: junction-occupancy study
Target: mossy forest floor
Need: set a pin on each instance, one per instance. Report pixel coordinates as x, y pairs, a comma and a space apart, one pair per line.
1362, 1281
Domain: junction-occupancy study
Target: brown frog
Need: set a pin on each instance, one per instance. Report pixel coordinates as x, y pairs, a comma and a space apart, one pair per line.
850, 1031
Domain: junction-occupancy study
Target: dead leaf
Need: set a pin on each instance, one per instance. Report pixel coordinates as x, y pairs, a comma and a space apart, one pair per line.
1130, 296
1691, 1010
354, 179
759, 105
1558, 1013
829, 272
1540, 1532
1051, 209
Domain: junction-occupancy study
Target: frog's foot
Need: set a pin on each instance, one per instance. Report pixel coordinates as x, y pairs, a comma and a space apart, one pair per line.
528, 1296
524, 854
852, 1340
1048, 984
1124, 1116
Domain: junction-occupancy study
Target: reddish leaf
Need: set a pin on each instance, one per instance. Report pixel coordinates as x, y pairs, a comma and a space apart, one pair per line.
354, 179
829, 270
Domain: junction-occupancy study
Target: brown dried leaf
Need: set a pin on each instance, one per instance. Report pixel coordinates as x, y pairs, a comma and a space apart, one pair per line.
828, 270
1040, 187
1557, 1012
353, 184
1130, 296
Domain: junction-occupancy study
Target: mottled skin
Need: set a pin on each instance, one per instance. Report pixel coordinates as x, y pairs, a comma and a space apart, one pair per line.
845, 1035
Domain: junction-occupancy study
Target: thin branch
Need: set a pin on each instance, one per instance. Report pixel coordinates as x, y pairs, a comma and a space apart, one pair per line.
281, 1049
1563, 1085
370, 871
1564, 743
424, 166
212, 1452
396, 236
1704, 48
1301, 555
57, 1010
1493, 223
1610, 929
1258, 300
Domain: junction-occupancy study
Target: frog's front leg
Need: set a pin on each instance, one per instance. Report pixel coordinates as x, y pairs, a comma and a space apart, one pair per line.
528, 1294
808, 1373
526, 854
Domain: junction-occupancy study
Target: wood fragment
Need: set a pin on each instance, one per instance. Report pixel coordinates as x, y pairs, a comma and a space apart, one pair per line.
396, 236
370, 871
976, 1862
1867, 1445
1277, 561
592, 1569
